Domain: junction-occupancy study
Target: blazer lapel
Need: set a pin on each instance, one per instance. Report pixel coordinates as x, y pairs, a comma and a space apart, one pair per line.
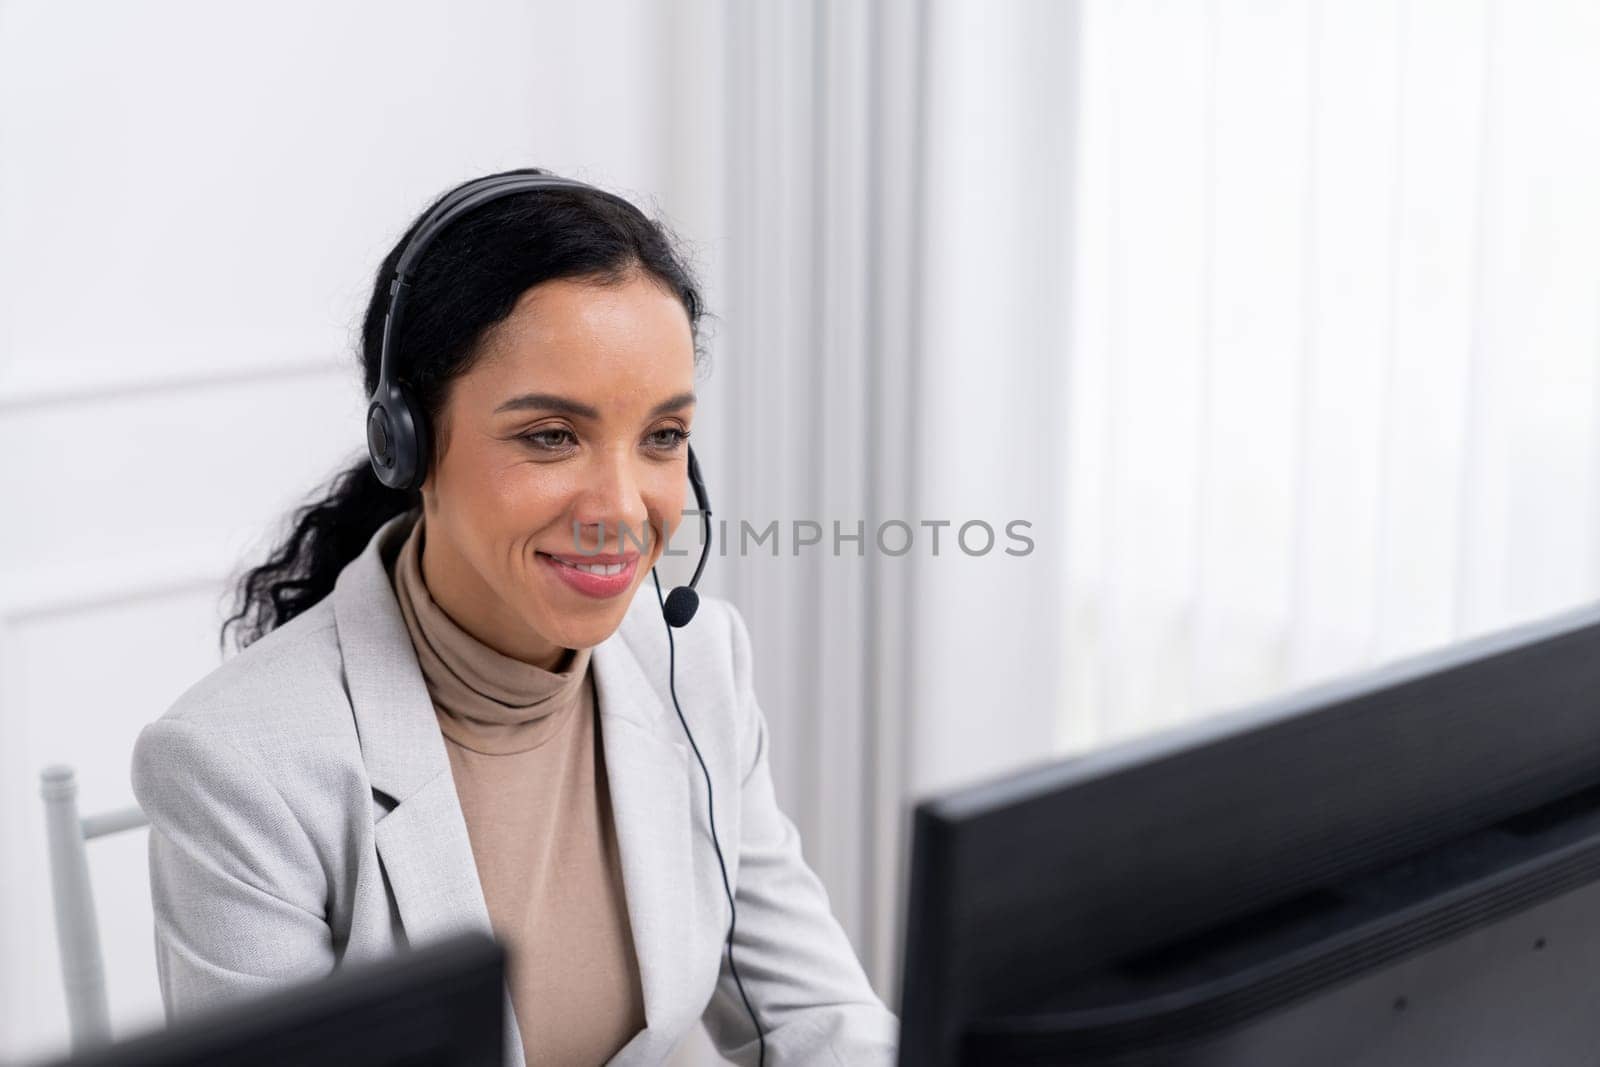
423, 841
651, 790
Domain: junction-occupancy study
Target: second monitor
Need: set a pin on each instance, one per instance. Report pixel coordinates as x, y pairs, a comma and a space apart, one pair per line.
1402, 868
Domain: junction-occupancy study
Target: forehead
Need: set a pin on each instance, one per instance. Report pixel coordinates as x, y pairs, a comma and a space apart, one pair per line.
577, 334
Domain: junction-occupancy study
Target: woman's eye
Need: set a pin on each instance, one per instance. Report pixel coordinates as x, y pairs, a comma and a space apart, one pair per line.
668, 439
551, 439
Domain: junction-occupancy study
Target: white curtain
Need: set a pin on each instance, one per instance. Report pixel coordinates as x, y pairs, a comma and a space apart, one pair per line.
1334, 362
814, 391
1280, 322
892, 232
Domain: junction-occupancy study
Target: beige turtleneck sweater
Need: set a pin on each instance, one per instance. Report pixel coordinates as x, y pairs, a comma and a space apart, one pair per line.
530, 772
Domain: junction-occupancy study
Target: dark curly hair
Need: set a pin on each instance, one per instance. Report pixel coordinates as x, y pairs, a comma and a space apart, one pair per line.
468, 281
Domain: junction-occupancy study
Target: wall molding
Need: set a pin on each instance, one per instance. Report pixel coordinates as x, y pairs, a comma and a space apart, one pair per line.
55, 592
62, 388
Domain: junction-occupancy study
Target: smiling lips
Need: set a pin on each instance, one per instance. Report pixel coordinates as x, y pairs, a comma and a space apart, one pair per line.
599, 576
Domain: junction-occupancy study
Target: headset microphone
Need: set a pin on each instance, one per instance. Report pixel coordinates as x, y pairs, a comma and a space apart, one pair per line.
683, 601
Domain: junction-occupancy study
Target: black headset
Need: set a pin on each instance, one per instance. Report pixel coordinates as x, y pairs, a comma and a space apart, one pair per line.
398, 439
399, 445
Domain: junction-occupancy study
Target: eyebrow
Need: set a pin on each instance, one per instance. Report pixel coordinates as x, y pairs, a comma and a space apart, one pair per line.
568, 406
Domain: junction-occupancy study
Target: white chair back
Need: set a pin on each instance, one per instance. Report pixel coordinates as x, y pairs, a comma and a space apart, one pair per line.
77, 926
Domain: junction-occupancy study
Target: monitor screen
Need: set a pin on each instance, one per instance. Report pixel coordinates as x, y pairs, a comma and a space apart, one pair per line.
441, 1005
1395, 868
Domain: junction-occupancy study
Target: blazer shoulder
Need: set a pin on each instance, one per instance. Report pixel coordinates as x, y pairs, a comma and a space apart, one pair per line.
286, 687
713, 642
710, 660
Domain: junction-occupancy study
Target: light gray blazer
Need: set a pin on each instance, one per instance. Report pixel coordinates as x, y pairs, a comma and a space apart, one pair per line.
303, 813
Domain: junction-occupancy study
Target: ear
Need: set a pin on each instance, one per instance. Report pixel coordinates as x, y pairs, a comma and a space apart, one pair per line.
436, 445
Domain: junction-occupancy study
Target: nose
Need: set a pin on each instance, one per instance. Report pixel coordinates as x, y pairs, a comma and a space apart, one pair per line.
610, 514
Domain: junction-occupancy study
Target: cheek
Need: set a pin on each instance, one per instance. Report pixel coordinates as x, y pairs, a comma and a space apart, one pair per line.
528, 497
666, 501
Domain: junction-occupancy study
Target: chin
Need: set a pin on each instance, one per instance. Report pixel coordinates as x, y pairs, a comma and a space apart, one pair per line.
592, 628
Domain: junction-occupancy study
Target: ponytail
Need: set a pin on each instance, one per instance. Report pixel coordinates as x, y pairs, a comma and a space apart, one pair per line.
328, 533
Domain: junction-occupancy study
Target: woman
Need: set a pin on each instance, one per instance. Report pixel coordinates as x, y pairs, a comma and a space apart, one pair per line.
457, 706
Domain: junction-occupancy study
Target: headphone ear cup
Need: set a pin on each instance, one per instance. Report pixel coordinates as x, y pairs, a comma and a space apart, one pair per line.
380, 442
419, 440
397, 438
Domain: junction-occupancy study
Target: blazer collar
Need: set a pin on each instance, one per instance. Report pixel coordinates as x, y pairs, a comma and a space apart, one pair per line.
423, 840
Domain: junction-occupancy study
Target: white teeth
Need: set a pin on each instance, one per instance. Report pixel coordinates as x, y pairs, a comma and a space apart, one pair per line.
593, 568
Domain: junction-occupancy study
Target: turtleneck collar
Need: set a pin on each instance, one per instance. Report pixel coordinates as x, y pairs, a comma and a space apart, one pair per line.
486, 701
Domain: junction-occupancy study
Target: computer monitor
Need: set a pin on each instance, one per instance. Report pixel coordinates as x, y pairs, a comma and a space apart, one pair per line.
440, 1005
1394, 869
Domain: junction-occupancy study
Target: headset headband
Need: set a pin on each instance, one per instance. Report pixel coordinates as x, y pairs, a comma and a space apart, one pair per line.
397, 431
460, 201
